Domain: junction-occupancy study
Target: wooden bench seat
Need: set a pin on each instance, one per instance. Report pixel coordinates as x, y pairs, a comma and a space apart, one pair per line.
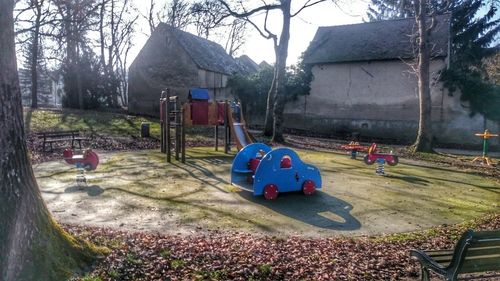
474, 252
49, 138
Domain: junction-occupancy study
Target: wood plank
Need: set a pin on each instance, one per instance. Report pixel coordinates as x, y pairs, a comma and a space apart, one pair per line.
443, 259
436, 253
485, 243
58, 140
486, 263
483, 251
492, 234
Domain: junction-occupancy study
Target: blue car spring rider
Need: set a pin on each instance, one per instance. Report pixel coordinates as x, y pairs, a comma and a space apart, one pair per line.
264, 171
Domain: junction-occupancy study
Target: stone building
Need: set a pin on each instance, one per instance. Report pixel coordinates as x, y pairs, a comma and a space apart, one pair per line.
247, 65
363, 82
177, 60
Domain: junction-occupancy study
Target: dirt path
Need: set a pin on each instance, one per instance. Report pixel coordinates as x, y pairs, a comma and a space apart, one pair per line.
139, 191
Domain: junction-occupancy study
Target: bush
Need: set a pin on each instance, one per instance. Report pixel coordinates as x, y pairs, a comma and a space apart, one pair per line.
252, 90
98, 85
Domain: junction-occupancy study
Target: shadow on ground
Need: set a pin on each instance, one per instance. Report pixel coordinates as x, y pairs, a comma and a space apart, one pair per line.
93, 190
320, 210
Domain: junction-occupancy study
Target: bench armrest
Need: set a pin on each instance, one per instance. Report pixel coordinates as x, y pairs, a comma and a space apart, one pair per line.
428, 262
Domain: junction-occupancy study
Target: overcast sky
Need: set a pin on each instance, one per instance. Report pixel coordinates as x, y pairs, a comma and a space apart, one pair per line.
303, 27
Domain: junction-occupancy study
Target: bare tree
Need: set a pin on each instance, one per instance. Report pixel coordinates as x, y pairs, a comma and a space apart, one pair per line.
37, 6
33, 245
116, 36
276, 99
101, 31
151, 17
155, 15
176, 13
423, 142
32, 24
122, 31
236, 36
76, 19
207, 16
179, 14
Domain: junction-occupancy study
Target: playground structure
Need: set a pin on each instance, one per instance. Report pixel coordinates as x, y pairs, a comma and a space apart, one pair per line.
485, 159
238, 128
264, 171
373, 156
354, 147
85, 160
199, 111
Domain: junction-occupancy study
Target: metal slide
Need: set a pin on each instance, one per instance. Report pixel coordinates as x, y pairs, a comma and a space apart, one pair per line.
239, 132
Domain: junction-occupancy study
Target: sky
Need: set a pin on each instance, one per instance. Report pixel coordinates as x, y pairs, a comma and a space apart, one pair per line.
302, 29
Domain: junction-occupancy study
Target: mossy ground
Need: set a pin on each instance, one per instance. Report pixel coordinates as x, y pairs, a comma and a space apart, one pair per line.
140, 191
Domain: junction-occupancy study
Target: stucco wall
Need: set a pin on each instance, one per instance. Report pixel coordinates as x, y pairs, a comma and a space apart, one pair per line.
379, 99
163, 63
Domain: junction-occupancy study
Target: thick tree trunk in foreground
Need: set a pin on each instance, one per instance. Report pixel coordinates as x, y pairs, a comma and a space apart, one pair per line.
423, 143
32, 245
280, 70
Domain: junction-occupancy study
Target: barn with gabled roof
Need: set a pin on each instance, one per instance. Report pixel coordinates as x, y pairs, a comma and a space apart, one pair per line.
177, 60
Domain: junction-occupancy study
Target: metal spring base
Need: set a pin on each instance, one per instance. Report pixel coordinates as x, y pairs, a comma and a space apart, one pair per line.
81, 180
380, 167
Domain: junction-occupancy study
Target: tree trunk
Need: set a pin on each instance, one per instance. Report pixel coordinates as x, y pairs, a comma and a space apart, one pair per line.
110, 73
34, 68
71, 88
113, 36
280, 68
101, 33
79, 87
32, 245
269, 121
34, 56
423, 143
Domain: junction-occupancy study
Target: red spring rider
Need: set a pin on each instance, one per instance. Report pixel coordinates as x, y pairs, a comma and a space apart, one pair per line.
372, 156
86, 161
354, 147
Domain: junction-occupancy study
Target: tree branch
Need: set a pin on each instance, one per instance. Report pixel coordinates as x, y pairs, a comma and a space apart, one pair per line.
246, 14
306, 5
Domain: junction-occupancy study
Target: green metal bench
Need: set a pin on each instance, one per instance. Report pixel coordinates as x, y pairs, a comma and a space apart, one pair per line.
474, 252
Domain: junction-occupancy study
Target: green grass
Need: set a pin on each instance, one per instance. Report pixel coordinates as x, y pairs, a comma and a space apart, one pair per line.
91, 278
90, 122
114, 274
132, 258
265, 269
87, 121
210, 275
453, 232
177, 264
165, 253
